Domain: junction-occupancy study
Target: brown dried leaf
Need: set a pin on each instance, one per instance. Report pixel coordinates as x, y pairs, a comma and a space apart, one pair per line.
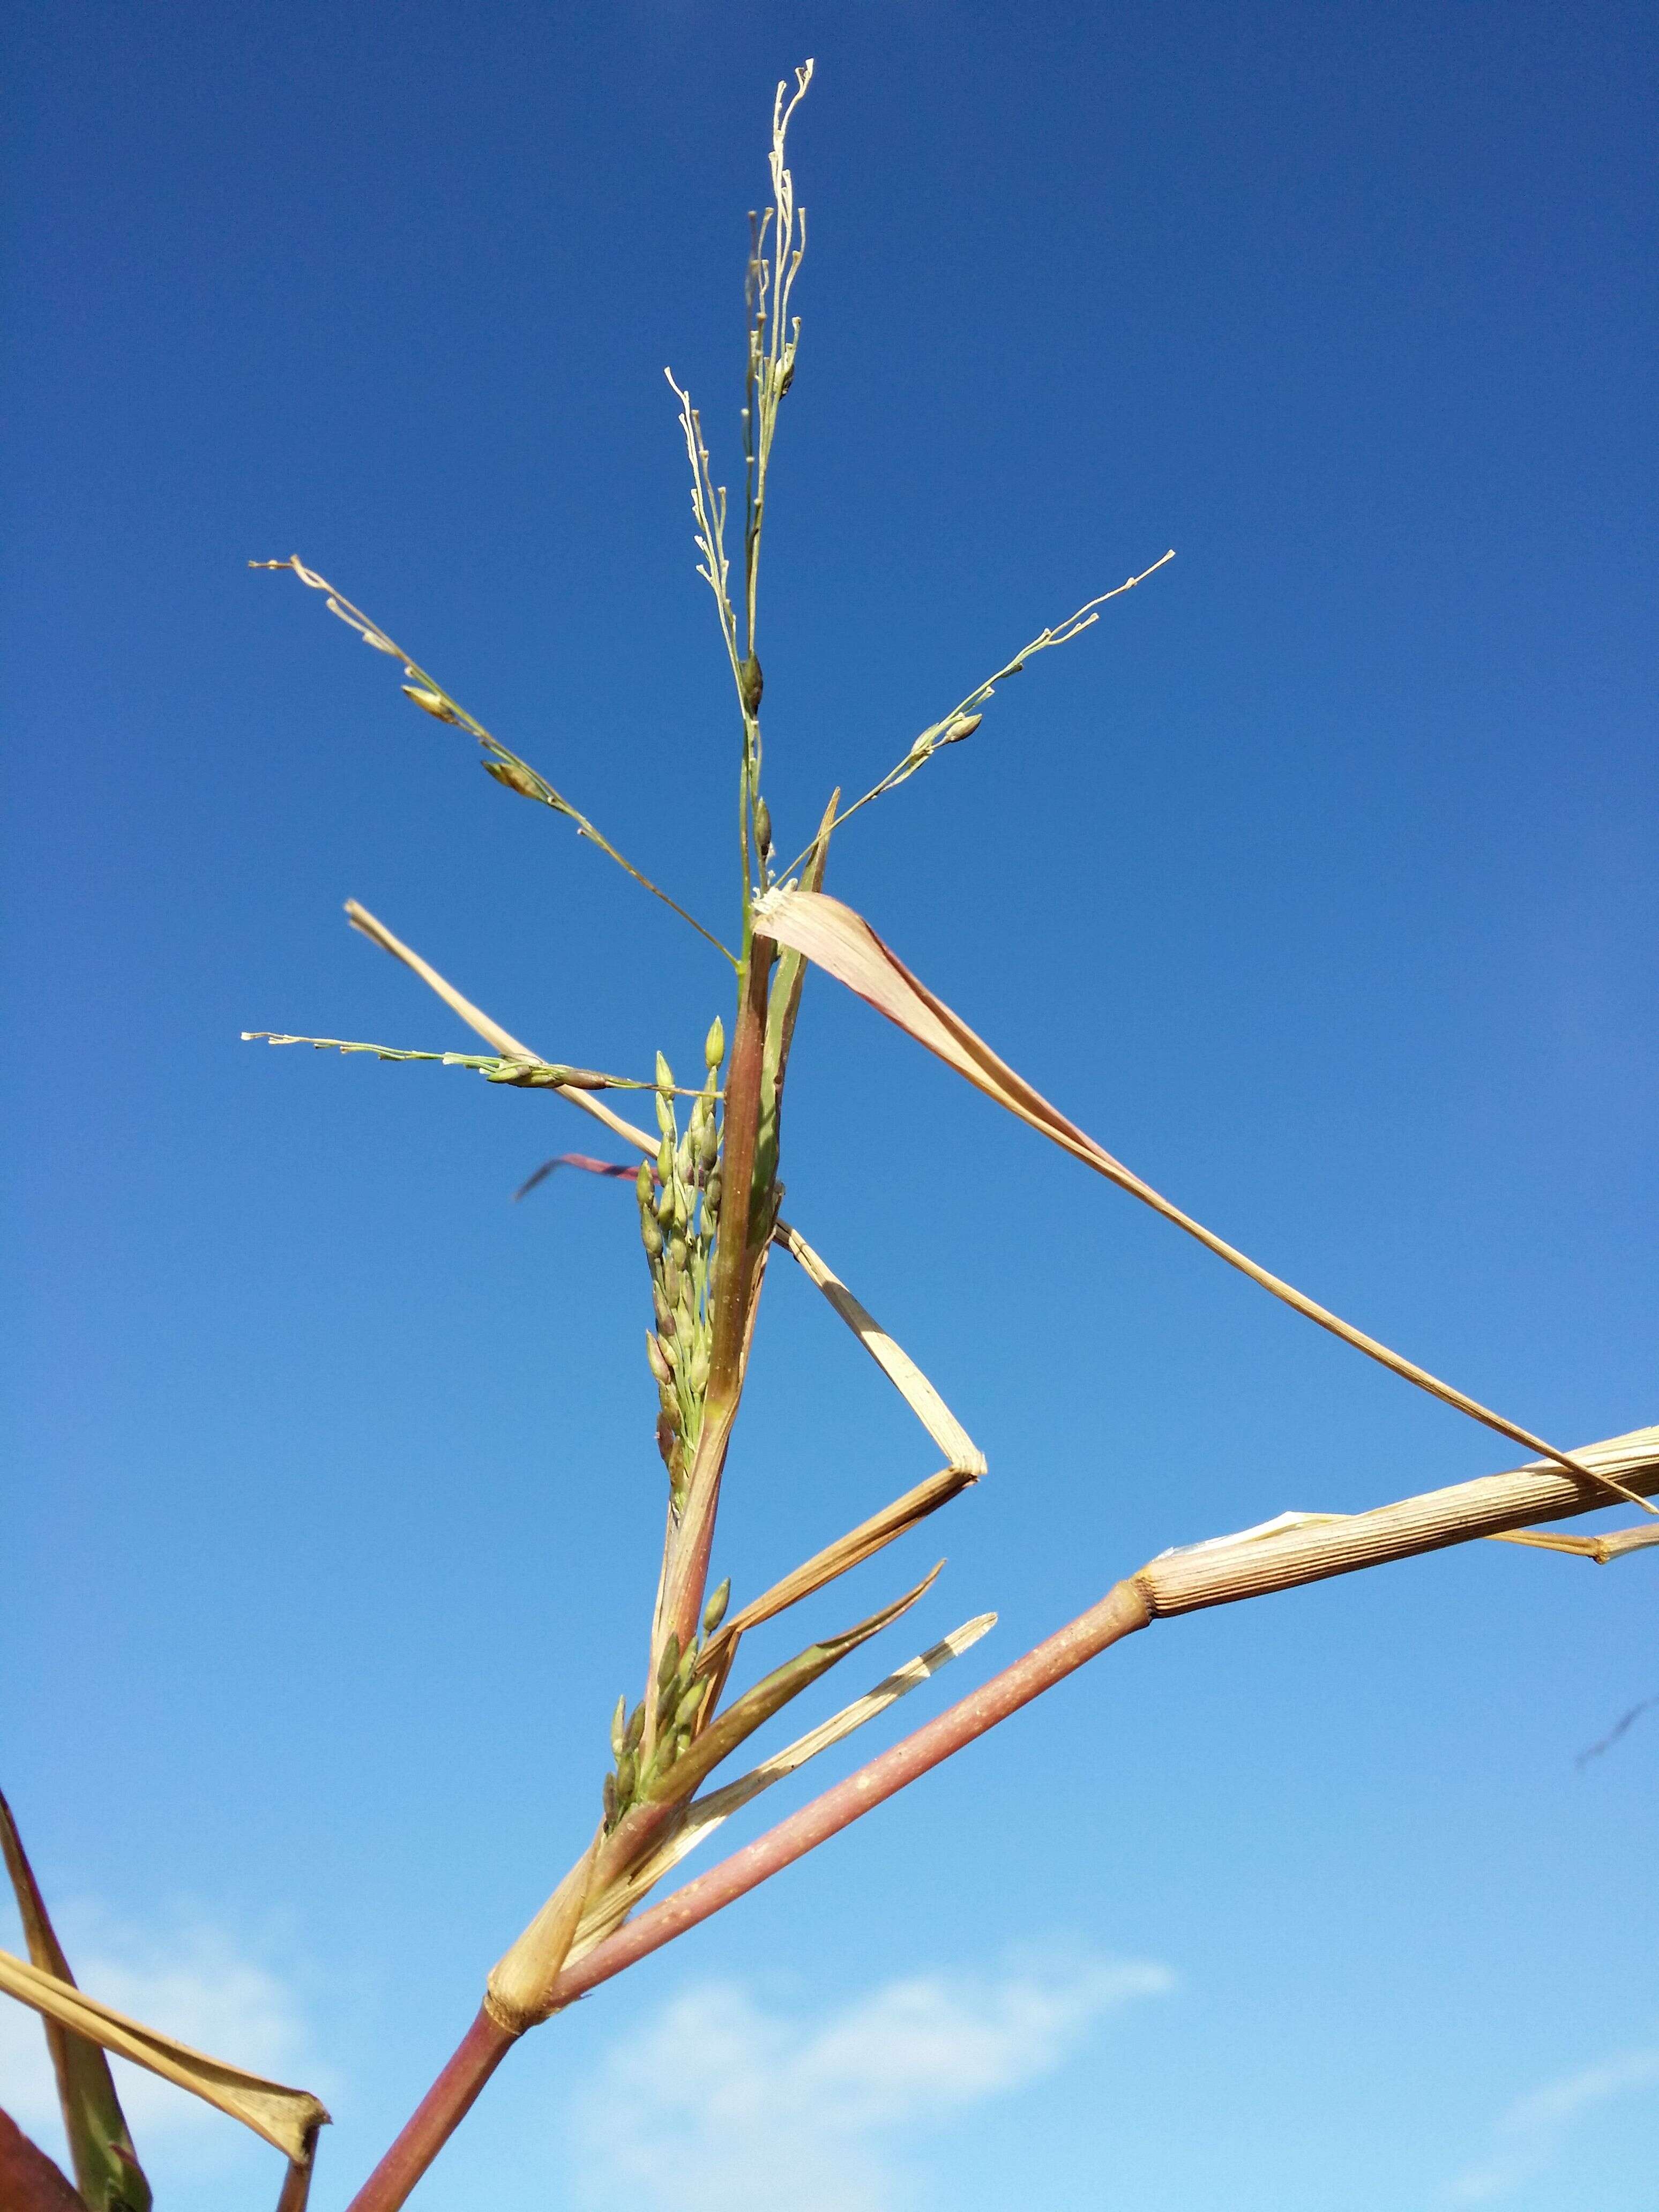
844, 944
289, 2118
918, 1393
840, 1558
107, 2169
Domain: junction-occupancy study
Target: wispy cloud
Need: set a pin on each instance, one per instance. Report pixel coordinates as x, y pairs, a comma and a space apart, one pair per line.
193, 1982
727, 2105
1534, 2131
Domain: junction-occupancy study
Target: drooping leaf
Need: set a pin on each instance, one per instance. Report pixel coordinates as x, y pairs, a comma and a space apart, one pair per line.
107, 2169
836, 939
918, 1393
289, 2118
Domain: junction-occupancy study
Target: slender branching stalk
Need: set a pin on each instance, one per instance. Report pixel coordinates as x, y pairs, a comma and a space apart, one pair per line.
966, 717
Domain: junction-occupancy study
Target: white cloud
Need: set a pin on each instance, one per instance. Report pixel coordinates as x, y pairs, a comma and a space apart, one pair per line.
722, 2105
1534, 2129
192, 1984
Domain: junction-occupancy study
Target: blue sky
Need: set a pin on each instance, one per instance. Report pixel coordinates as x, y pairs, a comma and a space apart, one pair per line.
1316, 881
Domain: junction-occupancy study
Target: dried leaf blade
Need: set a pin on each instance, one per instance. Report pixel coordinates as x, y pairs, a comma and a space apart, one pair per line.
287, 2117
107, 2170
836, 939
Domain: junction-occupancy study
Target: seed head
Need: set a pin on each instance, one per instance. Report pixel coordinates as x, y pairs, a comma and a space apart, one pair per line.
433, 701
523, 781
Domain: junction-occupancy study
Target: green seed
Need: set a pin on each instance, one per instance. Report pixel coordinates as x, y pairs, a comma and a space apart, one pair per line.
651, 1233
654, 1351
626, 1776
668, 1665
753, 684
664, 1077
762, 826
618, 1720
609, 1794
714, 1045
714, 1612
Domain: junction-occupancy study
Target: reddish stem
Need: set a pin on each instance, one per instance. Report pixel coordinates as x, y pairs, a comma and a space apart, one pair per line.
437, 2116
1123, 1610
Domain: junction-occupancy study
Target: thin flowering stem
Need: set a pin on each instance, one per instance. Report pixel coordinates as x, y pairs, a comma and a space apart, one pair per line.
964, 718
505, 765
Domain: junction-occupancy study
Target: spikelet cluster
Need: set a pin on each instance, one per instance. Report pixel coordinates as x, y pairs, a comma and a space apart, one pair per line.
681, 1693
679, 1196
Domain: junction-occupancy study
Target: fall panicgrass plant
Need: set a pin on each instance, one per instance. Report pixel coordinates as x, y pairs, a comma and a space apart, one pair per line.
705, 1172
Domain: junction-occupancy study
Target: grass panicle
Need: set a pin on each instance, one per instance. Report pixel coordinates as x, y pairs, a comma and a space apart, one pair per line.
705, 1165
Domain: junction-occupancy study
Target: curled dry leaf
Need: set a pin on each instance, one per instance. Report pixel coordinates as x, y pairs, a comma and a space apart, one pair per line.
833, 938
289, 2118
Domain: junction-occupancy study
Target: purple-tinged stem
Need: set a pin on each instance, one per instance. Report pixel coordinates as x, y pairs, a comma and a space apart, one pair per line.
437, 2116
1123, 1610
